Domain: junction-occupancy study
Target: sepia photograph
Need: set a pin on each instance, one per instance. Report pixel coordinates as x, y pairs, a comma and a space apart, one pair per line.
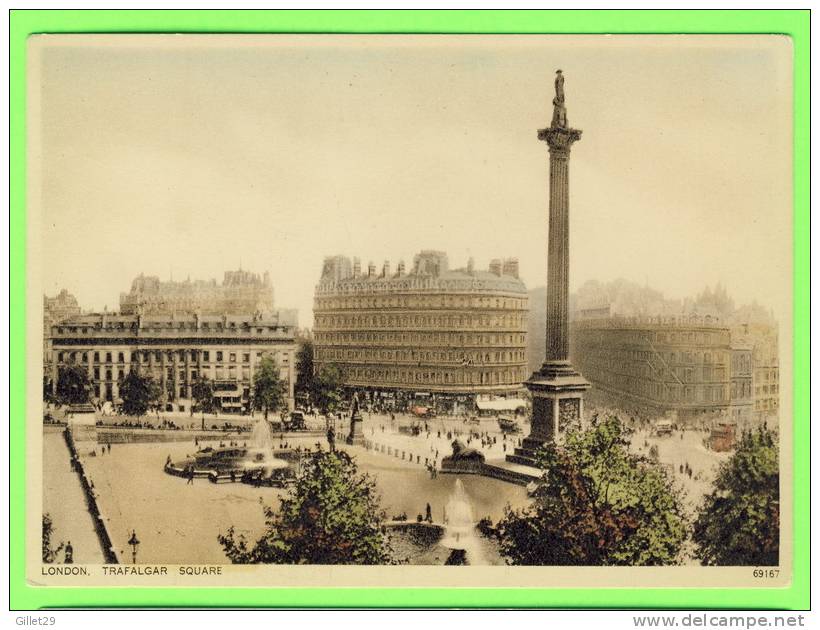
409, 310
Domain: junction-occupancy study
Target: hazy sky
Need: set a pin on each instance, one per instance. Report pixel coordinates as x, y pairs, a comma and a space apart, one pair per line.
191, 154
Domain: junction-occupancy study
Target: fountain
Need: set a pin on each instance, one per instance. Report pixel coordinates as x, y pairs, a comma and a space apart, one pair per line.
460, 533
260, 450
253, 463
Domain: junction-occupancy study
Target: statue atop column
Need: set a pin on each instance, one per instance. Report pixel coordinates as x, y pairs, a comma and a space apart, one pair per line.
559, 112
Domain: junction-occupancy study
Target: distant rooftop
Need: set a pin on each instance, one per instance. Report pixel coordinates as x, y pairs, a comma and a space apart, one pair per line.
431, 270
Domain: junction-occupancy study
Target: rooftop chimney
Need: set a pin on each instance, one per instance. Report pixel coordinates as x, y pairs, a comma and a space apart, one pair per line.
357, 268
400, 269
371, 269
386, 269
495, 266
511, 267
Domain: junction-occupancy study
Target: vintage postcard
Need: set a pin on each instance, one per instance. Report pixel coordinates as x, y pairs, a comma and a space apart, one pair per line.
424, 311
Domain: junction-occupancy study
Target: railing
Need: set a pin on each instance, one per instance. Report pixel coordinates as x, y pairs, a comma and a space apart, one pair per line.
91, 501
398, 453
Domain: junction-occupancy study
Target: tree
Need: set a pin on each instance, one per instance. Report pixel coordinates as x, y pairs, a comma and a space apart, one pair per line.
202, 391
48, 396
49, 551
739, 522
268, 388
599, 504
139, 392
304, 366
73, 385
327, 385
330, 516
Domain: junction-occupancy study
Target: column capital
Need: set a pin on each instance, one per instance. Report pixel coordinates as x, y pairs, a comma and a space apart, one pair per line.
559, 139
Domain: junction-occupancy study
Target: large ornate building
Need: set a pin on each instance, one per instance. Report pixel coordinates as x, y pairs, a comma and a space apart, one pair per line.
240, 292
176, 350
56, 309
690, 365
431, 334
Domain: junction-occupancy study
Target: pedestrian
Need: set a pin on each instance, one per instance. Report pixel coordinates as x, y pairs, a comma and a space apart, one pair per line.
69, 554
190, 476
428, 516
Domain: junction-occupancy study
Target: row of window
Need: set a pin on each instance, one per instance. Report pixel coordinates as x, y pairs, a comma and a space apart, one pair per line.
419, 302
741, 389
463, 358
661, 391
687, 357
145, 356
420, 338
216, 373
766, 375
460, 322
641, 336
394, 377
166, 326
653, 369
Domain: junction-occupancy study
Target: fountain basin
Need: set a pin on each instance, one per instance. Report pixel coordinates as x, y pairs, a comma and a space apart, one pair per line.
239, 464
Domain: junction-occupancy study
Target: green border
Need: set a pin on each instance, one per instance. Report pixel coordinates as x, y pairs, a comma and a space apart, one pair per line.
794, 23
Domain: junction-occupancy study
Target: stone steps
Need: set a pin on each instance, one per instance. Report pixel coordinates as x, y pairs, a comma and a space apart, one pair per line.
511, 476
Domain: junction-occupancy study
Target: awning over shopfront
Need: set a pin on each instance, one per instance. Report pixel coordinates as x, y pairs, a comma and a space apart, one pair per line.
501, 404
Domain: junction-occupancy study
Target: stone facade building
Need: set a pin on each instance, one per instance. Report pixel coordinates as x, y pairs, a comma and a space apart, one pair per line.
689, 365
56, 309
240, 292
762, 337
176, 350
660, 364
431, 334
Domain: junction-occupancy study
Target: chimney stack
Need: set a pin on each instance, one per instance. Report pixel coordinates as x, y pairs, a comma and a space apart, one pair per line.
470, 265
357, 268
495, 266
400, 269
511, 267
371, 269
386, 269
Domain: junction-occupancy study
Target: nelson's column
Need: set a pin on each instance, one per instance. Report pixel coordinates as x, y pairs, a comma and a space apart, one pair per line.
557, 389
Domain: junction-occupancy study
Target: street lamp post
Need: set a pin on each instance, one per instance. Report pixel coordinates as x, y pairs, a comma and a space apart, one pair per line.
134, 542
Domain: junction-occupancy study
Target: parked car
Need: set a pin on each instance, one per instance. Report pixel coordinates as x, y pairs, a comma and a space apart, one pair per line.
507, 425
296, 422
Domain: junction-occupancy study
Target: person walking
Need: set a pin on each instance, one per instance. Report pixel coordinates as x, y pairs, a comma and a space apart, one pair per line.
190, 481
69, 554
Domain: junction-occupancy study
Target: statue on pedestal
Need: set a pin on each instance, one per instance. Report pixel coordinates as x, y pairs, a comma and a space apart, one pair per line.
355, 436
559, 112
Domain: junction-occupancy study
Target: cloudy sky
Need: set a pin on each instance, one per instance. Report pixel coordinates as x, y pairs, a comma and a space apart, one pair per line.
188, 155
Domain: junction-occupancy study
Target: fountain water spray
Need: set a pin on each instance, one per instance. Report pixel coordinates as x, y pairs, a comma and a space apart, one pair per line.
460, 525
261, 448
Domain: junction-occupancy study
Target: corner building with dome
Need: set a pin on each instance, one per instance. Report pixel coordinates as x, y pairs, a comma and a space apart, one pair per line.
433, 336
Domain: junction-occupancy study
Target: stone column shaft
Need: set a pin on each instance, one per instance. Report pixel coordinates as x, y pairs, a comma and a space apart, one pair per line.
558, 258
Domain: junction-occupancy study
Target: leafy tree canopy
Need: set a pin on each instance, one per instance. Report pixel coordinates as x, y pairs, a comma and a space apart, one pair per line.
739, 522
202, 391
330, 516
49, 550
304, 366
268, 388
138, 393
73, 385
599, 504
327, 385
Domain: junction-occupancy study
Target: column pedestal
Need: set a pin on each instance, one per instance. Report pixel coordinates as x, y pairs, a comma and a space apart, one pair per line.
557, 404
356, 435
